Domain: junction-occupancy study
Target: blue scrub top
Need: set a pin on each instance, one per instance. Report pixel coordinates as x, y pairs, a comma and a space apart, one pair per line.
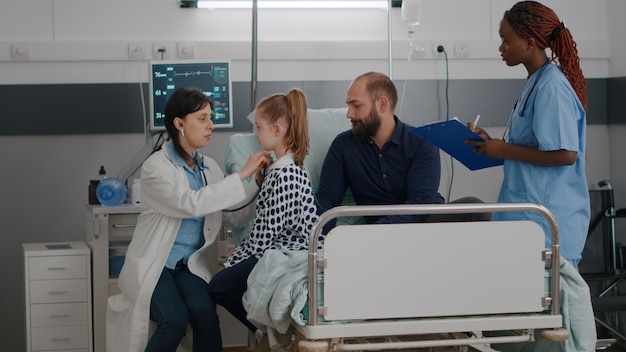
549, 116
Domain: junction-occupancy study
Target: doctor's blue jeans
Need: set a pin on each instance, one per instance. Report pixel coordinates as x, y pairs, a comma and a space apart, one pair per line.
182, 298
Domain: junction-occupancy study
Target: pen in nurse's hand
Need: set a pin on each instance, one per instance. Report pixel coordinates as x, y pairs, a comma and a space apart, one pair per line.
475, 125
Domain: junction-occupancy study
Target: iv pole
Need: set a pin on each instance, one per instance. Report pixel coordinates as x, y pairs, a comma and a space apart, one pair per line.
389, 41
132, 166
254, 52
255, 47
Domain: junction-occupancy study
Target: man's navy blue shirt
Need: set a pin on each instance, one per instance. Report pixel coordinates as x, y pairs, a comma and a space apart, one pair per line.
406, 170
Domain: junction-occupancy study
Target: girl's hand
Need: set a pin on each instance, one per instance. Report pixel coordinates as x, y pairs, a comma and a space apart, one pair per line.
255, 163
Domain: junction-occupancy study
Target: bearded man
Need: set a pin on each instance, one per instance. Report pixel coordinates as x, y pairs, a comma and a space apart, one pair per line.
381, 159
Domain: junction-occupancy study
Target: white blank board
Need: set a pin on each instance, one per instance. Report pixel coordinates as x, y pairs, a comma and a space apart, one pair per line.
433, 269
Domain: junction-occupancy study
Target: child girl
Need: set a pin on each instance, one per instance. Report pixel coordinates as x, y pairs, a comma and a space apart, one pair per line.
285, 208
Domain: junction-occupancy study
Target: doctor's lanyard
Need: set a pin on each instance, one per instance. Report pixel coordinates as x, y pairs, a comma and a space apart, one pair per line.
505, 135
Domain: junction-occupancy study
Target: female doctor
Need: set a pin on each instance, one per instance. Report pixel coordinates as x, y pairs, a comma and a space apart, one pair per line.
165, 274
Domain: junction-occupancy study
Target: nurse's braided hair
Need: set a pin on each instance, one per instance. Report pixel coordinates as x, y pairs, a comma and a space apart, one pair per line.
531, 19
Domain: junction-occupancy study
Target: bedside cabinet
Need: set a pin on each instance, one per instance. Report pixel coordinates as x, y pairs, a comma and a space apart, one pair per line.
58, 297
108, 232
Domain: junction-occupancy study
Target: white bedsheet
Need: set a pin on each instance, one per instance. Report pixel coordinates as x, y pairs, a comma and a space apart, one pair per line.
277, 290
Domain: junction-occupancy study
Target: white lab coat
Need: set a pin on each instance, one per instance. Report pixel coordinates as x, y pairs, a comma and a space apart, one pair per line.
165, 200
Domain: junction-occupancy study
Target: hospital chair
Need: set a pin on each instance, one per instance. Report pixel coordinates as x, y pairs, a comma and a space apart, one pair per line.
602, 265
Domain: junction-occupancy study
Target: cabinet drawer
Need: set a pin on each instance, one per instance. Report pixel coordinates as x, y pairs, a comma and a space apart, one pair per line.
61, 267
122, 226
58, 291
58, 314
56, 338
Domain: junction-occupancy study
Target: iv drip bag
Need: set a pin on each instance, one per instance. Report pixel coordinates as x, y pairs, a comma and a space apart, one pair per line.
411, 11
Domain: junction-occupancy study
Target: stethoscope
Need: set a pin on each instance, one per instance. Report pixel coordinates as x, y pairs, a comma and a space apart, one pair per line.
505, 135
200, 166
257, 194
252, 198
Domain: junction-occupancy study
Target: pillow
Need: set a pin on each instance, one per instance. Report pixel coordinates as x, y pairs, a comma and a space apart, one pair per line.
324, 126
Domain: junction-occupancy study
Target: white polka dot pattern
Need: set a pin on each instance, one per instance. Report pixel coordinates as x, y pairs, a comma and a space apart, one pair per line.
285, 213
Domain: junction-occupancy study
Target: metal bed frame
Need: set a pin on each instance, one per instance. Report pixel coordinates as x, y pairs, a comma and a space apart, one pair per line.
426, 331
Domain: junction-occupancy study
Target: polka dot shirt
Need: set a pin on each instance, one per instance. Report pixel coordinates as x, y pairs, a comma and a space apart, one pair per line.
285, 212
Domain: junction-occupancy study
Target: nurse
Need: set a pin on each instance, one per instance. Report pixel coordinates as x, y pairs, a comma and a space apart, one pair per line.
544, 141
166, 274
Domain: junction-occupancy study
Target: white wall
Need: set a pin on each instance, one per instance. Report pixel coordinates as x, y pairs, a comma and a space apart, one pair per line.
44, 178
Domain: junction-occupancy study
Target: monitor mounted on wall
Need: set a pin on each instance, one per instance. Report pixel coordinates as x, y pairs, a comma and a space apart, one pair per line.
210, 76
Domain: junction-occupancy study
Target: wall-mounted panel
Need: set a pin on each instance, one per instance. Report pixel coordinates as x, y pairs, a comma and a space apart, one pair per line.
54, 109
616, 88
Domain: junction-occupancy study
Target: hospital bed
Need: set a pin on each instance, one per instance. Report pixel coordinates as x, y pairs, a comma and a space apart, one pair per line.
425, 285
397, 286
422, 285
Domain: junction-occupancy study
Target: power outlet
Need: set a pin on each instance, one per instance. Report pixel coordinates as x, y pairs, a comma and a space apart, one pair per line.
418, 49
436, 45
162, 50
186, 50
19, 51
136, 51
461, 49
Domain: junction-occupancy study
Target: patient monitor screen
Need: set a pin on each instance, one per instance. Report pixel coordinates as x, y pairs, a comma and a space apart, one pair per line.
212, 77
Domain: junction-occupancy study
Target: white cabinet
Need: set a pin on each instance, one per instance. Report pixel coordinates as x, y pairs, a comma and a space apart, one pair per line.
108, 230
58, 296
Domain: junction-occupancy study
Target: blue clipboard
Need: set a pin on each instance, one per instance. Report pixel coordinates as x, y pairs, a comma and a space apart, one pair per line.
449, 136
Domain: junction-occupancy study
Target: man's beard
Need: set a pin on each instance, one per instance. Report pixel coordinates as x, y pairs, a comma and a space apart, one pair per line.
368, 128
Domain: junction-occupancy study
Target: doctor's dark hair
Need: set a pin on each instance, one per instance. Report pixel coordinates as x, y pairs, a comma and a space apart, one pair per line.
531, 19
292, 107
182, 102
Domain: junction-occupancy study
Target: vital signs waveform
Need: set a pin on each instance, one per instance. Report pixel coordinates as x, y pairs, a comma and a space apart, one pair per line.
185, 74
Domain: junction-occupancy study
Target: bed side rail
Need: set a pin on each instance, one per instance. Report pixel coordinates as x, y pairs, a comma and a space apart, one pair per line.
406, 209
